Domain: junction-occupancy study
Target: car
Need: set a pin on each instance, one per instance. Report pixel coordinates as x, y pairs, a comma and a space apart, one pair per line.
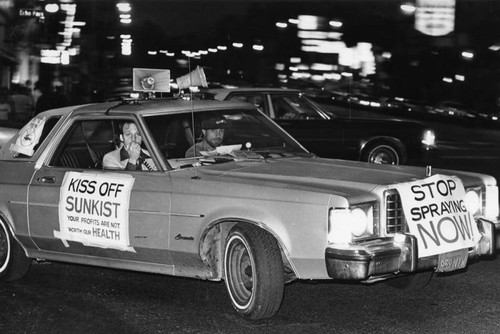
257, 212
324, 133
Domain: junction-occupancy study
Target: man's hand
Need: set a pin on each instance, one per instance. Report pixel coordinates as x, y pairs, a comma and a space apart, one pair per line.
134, 151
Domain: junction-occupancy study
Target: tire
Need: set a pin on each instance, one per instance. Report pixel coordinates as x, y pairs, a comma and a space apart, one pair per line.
254, 274
382, 154
13, 262
416, 281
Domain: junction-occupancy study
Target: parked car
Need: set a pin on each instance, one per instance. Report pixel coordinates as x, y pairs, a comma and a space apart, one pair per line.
258, 212
323, 132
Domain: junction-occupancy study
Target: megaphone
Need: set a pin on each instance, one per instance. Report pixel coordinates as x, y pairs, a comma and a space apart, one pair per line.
194, 78
151, 80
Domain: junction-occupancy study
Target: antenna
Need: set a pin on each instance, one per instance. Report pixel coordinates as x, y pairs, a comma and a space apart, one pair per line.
196, 176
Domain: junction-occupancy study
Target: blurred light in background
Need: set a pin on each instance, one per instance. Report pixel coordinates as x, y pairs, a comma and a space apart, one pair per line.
467, 55
258, 47
408, 8
51, 8
335, 24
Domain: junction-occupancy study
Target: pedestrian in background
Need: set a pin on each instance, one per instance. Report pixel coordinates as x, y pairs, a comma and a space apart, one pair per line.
51, 98
21, 96
7, 107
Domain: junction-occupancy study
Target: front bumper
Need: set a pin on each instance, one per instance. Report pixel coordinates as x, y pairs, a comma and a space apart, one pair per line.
375, 259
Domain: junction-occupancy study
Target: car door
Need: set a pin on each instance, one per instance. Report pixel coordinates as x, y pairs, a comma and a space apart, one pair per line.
319, 133
80, 212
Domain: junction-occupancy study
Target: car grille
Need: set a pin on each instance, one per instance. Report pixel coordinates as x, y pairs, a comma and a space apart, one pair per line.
395, 217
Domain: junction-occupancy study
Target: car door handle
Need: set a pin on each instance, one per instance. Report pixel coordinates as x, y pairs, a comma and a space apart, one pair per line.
47, 179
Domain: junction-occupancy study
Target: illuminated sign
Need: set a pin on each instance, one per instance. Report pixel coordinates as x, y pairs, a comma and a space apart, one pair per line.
435, 17
24, 12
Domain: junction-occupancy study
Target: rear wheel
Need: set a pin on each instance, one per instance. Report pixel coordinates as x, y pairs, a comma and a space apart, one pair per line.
382, 154
13, 262
253, 270
416, 281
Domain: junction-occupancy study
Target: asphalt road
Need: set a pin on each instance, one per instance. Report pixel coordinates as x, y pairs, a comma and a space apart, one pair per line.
64, 298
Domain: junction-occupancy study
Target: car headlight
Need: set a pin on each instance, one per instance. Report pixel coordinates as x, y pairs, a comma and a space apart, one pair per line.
348, 224
491, 201
429, 138
482, 201
472, 201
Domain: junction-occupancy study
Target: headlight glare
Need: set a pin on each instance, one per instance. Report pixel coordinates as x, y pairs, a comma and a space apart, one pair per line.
429, 138
359, 222
472, 201
339, 230
491, 205
346, 224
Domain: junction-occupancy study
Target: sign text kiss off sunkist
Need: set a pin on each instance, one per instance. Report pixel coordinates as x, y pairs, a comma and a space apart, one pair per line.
436, 215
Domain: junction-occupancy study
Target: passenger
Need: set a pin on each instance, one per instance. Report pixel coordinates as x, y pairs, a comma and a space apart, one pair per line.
130, 155
213, 135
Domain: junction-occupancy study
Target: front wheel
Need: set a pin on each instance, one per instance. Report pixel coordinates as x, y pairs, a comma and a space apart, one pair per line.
253, 271
13, 262
382, 154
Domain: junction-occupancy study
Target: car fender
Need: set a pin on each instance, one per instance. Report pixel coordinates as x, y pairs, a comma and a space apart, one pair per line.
298, 239
12, 231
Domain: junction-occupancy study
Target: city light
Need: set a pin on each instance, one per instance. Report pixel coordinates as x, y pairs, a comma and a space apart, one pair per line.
467, 55
335, 24
124, 7
51, 8
408, 8
279, 67
126, 45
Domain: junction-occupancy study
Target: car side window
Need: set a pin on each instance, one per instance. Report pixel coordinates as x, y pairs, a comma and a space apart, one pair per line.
292, 107
258, 100
173, 134
85, 144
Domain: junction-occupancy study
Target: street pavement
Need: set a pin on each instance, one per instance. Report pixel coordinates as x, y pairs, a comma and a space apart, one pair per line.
66, 298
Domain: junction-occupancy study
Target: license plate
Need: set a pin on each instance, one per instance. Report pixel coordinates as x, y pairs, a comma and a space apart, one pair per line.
452, 260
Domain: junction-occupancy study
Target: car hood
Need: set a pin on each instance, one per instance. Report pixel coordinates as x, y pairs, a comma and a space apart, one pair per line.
342, 177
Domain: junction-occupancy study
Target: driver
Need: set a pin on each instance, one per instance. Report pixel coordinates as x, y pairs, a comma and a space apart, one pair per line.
213, 135
130, 155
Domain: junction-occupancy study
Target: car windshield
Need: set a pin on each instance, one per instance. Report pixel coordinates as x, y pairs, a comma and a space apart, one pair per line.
247, 134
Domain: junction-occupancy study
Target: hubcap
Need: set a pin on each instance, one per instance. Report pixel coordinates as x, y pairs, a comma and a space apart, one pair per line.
4, 248
382, 158
239, 272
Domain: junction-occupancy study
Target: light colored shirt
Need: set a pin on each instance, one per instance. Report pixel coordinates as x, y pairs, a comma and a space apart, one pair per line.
194, 151
119, 159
